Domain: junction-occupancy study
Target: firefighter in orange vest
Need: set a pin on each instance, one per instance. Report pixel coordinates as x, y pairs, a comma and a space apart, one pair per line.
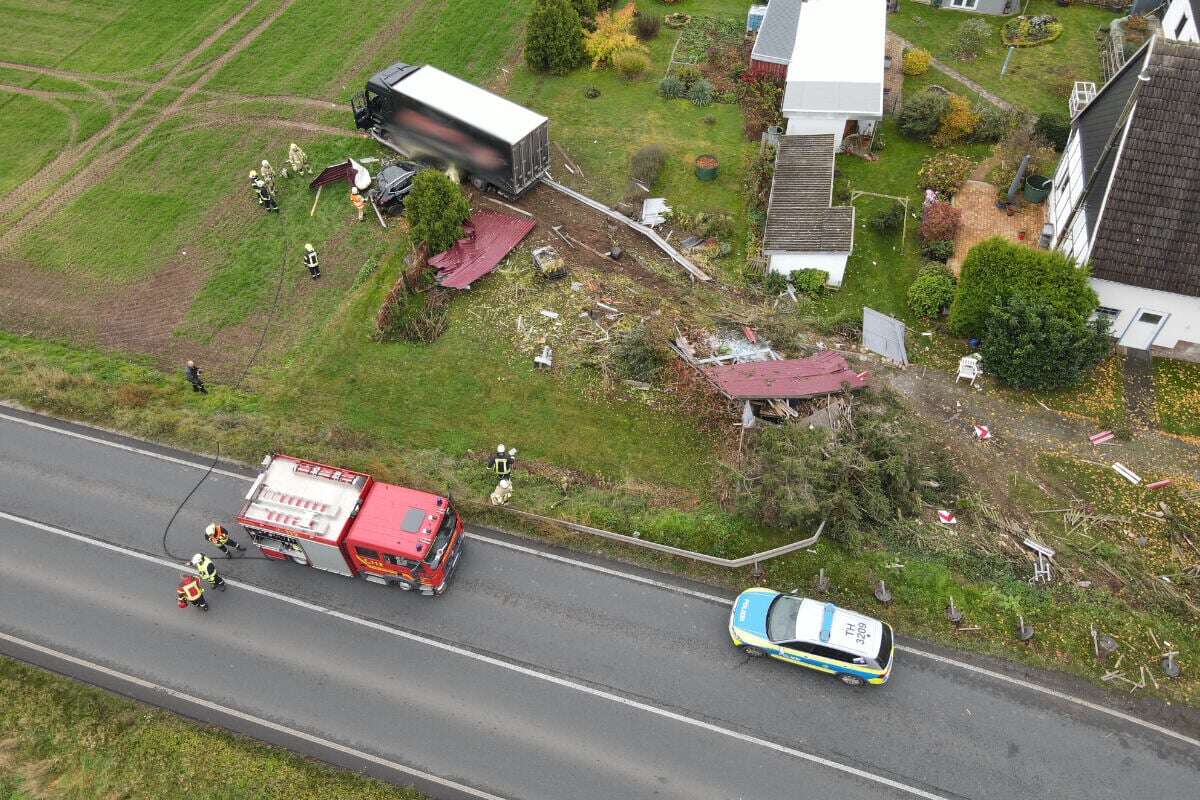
218, 537
359, 203
190, 591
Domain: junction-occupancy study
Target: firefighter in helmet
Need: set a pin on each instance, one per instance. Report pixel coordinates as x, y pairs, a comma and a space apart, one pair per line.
501, 463
208, 571
190, 591
218, 537
268, 174
359, 203
297, 160
310, 261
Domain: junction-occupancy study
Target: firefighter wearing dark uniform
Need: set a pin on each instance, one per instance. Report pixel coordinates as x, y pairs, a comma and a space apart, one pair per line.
190, 591
310, 262
263, 192
193, 376
501, 463
219, 538
208, 571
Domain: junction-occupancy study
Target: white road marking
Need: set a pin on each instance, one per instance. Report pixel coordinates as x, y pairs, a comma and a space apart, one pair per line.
506, 665
951, 662
119, 446
242, 715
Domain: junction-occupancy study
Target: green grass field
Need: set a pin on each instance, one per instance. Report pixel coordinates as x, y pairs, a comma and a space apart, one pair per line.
1036, 75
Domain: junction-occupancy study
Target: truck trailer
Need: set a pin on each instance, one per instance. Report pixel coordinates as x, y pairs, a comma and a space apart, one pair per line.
430, 115
343, 521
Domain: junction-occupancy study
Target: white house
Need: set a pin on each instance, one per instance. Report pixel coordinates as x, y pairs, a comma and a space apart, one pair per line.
1125, 194
980, 6
835, 73
1179, 21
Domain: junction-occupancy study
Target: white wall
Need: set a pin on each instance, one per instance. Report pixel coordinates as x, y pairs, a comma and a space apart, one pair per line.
1183, 324
1180, 10
1068, 185
806, 124
833, 263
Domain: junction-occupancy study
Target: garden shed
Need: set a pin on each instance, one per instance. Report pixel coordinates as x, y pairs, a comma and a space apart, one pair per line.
776, 39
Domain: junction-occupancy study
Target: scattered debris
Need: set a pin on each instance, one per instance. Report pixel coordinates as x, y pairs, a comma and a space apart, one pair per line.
1170, 666
492, 236
982, 432
953, 613
1101, 437
546, 359
1126, 473
548, 314
947, 517
1159, 484
1024, 632
508, 206
882, 594
654, 211
821, 584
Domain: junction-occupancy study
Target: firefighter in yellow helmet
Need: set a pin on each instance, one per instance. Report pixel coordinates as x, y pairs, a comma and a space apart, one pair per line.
268, 175
218, 537
311, 263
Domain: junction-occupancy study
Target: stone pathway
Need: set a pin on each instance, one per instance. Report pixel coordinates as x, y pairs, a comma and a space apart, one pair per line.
951, 72
1139, 388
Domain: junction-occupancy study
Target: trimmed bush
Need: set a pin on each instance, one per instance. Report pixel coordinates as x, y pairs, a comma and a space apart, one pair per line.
1029, 343
992, 123
945, 173
632, 64
554, 38
1054, 128
921, 115
932, 291
940, 222
996, 268
938, 251
672, 87
889, 221
701, 93
916, 61
436, 209
810, 281
647, 164
647, 26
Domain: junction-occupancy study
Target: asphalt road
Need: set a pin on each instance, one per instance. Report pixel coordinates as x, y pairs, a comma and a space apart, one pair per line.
538, 675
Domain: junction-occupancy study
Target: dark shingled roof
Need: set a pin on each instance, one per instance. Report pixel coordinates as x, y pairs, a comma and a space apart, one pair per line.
799, 218
1149, 235
777, 34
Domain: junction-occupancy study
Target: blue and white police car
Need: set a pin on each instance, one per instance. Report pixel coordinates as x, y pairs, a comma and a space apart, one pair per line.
813, 634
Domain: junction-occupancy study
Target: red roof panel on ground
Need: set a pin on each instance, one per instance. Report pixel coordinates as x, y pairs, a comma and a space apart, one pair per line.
477, 254
823, 373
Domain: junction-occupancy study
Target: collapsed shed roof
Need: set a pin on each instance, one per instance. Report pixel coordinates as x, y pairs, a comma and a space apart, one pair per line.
788, 379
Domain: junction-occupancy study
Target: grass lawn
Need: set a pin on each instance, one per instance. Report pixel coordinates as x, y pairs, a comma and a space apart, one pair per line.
25, 148
1177, 396
64, 740
1101, 395
1038, 79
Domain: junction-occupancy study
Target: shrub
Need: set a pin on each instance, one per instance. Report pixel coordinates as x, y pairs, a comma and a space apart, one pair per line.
436, 209
995, 268
613, 34
857, 478
945, 173
647, 26
1030, 343
689, 74
639, 355
939, 251
631, 64
647, 164
971, 37
956, 124
940, 222
932, 291
921, 115
1009, 151
585, 8
889, 221
760, 100
672, 87
775, 283
916, 61
701, 93
810, 282
1054, 129
992, 123
554, 38
758, 179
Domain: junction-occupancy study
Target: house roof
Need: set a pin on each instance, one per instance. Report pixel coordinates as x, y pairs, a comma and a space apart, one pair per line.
837, 58
799, 218
823, 373
777, 33
1149, 235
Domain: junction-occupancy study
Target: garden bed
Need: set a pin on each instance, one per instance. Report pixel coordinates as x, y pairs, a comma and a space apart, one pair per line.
1031, 31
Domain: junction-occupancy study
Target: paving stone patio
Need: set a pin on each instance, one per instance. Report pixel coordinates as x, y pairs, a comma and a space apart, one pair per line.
982, 220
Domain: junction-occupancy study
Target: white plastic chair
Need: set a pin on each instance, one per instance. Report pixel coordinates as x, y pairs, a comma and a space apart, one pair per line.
968, 367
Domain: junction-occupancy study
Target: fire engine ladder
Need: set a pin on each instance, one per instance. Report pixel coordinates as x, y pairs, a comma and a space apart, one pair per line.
296, 502
328, 473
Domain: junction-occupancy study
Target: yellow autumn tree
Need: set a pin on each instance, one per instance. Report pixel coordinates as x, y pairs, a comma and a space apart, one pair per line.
957, 123
614, 34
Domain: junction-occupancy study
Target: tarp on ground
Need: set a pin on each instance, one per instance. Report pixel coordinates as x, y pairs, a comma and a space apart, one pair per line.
490, 237
788, 379
884, 335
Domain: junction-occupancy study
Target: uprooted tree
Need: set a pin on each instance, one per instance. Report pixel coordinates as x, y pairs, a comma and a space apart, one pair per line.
858, 476
436, 210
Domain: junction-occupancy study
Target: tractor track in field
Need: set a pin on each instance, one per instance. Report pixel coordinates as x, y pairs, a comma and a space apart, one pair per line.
55, 100
100, 168
57, 170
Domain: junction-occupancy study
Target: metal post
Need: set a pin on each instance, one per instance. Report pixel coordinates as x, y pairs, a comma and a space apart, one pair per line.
1007, 58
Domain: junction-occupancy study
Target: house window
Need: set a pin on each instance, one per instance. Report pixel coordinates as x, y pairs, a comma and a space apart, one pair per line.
1182, 24
1150, 319
1110, 314
963, 3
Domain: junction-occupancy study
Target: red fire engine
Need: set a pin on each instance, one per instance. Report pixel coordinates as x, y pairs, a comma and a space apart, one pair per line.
349, 523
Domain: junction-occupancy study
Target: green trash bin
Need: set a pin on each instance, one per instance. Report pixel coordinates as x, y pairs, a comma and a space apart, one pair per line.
1037, 188
706, 167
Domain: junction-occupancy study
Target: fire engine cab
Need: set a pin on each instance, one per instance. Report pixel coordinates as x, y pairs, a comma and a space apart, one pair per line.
347, 522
